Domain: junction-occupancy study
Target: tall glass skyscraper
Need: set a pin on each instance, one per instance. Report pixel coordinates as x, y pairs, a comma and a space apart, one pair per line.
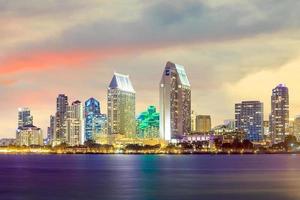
91, 113
175, 103
249, 119
279, 118
121, 106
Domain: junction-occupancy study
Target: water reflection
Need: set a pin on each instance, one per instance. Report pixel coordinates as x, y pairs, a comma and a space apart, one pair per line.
149, 177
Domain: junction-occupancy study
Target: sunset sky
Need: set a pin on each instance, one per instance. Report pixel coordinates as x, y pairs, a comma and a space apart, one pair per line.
232, 51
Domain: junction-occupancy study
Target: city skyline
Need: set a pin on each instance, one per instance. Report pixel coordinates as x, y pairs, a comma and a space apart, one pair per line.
224, 68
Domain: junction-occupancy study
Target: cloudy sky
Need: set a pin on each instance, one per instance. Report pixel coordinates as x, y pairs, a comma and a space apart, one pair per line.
232, 50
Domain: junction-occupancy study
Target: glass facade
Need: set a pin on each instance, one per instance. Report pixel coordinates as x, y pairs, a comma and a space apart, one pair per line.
91, 112
148, 123
24, 117
249, 119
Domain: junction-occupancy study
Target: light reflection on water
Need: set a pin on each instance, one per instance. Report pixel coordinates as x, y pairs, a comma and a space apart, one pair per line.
150, 177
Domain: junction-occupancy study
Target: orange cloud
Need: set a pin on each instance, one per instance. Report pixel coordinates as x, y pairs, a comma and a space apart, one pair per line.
46, 60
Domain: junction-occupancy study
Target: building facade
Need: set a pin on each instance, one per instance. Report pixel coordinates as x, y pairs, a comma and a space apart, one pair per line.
175, 103
297, 127
203, 123
51, 130
28, 135
121, 106
73, 124
91, 113
279, 118
148, 123
61, 109
249, 119
24, 117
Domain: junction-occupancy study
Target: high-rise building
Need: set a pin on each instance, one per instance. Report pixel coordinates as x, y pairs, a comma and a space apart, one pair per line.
249, 119
148, 123
121, 106
203, 123
91, 113
267, 130
28, 135
73, 123
291, 126
297, 127
61, 109
279, 118
51, 130
175, 103
193, 121
24, 117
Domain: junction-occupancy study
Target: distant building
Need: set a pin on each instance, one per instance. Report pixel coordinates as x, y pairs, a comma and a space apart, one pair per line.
29, 135
61, 109
291, 126
121, 106
24, 117
148, 123
279, 118
297, 127
50, 131
175, 103
73, 123
203, 123
5, 142
230, 123
249, 119
193, 121
91, 112
267, 130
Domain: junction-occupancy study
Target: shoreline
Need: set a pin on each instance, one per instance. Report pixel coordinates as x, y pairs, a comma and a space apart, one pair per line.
139, 153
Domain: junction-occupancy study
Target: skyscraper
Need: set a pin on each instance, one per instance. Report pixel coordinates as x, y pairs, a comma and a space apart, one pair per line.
73, 123
61, 109
175, 103
279, 118
203, 123
51, 130
24, 117
121, 106
297, 126
91, 113
249, 119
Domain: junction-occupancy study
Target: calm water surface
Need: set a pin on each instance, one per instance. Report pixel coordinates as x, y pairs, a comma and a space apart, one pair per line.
113, 177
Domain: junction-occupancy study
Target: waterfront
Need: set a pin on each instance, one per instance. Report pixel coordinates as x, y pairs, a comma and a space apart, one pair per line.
150, 177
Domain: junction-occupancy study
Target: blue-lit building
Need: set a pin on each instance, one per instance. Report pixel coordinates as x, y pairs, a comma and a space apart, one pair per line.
249, 119
91, 113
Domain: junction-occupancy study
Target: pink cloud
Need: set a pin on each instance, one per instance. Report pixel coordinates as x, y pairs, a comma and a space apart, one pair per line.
45, 60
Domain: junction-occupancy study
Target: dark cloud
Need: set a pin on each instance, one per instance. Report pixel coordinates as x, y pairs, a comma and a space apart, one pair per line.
167, 23
36, 8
